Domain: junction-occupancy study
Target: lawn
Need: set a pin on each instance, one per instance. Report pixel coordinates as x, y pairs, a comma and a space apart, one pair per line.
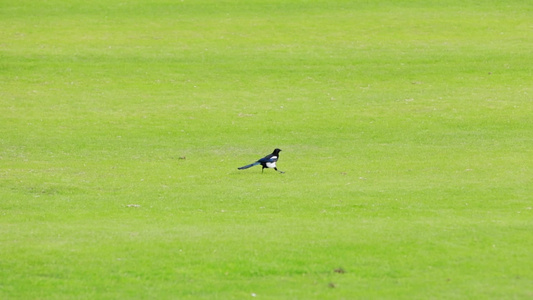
406, 129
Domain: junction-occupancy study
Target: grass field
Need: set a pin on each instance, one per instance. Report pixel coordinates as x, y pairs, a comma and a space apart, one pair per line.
406, 129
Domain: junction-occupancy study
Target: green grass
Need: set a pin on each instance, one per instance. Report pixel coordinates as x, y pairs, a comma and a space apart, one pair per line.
406, 129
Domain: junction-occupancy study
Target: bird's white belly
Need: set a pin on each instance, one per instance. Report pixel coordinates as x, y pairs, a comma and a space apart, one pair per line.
271, 164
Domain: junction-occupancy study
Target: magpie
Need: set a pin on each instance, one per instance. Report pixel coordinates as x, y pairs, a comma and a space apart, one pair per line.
268, 161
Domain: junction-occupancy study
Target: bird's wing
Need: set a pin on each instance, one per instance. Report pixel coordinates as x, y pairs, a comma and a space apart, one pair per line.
268, 158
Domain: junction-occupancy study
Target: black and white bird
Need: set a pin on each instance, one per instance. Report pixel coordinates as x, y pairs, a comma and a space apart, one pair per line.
268, 161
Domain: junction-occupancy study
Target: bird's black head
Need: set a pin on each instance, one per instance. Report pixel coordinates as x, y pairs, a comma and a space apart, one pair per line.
276, 151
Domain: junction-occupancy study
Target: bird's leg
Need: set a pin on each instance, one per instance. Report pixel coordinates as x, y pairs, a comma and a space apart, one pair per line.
281, 172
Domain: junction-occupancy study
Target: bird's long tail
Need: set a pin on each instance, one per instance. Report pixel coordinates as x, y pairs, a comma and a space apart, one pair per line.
249, 166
